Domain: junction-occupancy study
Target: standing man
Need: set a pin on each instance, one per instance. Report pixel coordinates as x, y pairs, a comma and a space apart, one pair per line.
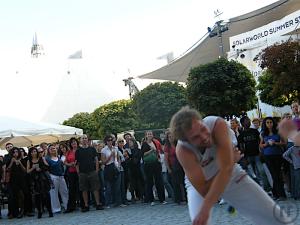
87, 168
206, 154
249, 141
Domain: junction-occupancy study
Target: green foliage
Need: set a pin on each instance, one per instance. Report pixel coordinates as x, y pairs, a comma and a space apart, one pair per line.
156, 104
265, 86
115, 117
84, 121
280, 84
221, 88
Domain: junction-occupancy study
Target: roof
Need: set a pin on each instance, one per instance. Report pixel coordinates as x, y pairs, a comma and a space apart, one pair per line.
207, 50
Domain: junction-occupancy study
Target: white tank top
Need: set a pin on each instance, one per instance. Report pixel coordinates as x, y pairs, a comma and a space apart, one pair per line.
207, 160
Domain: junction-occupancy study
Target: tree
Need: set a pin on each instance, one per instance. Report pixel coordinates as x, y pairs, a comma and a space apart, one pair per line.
280, 84
115, 117
265, 86
84, 121
221, 88
156, 103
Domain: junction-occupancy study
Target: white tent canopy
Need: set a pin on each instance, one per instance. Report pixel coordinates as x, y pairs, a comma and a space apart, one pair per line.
23, 133
207, 49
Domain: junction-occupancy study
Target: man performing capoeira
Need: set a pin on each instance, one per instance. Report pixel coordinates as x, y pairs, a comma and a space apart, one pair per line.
205, 151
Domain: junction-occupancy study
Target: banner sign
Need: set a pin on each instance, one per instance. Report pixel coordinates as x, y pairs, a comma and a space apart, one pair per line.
287, 24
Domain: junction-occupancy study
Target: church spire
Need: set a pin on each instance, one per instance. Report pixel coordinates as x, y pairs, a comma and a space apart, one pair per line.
36, 49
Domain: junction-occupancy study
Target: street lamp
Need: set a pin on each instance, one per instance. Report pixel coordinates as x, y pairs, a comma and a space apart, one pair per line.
217, 30
132, 87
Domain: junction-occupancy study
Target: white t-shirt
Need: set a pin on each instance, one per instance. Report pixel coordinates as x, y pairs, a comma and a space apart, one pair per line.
63, 158
107, 152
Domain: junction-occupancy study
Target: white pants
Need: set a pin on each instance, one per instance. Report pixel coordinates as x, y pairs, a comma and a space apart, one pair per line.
61, 187
248, 198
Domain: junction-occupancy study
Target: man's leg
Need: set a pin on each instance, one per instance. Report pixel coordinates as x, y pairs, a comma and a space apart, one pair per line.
253, 202
94, 184
83, 187
195, 200
96, 195
85, 198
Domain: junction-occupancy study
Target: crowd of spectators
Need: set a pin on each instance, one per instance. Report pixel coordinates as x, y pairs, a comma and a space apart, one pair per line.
78, 174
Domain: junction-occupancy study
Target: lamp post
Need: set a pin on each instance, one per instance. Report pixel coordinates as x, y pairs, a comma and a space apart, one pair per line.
132, 87
217, 30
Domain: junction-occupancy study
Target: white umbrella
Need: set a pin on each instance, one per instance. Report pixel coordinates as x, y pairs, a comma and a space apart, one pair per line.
24, 133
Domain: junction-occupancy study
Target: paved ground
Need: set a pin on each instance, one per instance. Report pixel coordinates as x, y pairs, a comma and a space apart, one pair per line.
139, 213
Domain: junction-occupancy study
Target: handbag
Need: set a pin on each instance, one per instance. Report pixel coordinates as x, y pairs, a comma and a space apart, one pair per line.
151, 157
111, 172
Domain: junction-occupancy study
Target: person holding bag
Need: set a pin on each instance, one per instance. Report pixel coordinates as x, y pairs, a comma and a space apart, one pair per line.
109, 157
152, 166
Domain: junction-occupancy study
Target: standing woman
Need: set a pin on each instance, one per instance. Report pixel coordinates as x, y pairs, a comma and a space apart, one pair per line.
271, 144
28, 208
56, 169
134, 155
37, 168
152, 166
72, 174
124, 180
109, 157
175, 169
62, 151
17, 182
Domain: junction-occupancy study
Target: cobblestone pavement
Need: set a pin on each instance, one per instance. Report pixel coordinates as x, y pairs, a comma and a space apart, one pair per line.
140, 213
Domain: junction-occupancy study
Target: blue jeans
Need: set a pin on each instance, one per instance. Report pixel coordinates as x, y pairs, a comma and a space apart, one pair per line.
167, 185
102, 186
257, 168
295, 182
113, 191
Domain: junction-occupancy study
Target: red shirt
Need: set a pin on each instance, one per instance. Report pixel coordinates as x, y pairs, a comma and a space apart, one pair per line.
70, 157
171, 154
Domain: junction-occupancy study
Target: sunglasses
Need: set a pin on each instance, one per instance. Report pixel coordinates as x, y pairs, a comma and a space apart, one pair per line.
109, 140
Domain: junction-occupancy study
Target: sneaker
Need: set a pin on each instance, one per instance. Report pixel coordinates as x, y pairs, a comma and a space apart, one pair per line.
99, 207
152, 203
107, 207
222, 202
164, 202
122, 205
